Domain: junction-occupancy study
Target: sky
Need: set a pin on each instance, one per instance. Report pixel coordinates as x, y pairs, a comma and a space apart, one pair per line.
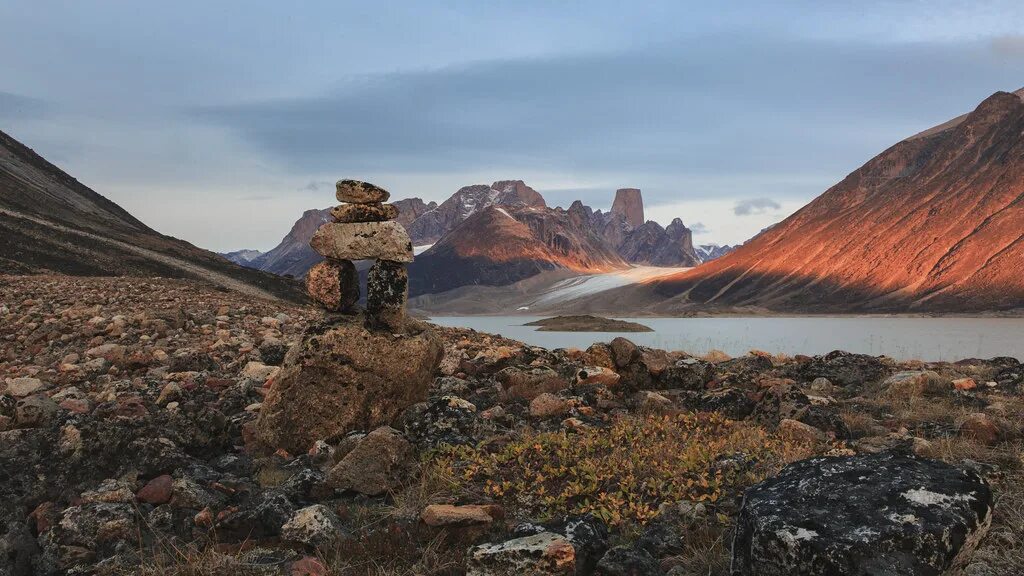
221, 122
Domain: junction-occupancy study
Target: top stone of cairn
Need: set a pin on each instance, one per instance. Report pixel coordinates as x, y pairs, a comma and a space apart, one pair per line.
357, 192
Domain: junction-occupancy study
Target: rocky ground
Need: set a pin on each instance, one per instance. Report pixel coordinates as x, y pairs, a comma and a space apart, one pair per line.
128, 446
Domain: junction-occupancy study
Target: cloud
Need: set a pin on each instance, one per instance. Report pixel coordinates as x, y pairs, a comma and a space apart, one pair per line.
1009, 45
699, 228
316, 186
720, 105
755, 206
14, 106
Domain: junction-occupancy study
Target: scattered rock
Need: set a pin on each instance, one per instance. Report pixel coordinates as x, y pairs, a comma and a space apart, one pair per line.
624, 352
548, 405
799, 432
315, 526
21, 387
258, 371
447, 515
628, 561
982, 428
377, 464
157, 491
536, 555
34, 411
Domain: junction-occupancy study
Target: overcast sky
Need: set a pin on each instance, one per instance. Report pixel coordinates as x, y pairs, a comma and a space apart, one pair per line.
220, 122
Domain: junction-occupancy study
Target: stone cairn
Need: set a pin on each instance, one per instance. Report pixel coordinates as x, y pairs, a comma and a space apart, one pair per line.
354, 371
363, 228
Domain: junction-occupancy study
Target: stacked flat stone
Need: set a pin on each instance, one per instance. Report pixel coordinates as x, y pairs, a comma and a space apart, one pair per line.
363, 228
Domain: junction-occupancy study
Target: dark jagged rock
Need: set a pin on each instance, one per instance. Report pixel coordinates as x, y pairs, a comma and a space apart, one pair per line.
788, 402
387, 290
687, 374
628, 561
445, 420
881, 515
844, 369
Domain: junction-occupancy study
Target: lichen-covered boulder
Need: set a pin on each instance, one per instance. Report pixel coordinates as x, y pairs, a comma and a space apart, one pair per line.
343, 377
880, 515
845, 369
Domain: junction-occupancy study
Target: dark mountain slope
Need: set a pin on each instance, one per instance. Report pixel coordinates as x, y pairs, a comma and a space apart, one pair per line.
50, 221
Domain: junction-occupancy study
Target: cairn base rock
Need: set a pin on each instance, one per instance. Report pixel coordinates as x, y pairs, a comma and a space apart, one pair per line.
342, 377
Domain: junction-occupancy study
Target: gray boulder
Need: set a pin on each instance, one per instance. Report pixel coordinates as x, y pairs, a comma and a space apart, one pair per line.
880, 515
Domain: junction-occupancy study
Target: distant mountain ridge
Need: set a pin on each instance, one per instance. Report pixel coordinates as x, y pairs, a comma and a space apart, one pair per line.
51, 222
469, 243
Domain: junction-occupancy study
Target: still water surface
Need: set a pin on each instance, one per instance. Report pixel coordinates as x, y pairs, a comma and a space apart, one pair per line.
930, 339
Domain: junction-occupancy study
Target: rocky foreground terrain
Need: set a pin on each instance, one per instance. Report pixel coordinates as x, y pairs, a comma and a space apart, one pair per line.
128, 445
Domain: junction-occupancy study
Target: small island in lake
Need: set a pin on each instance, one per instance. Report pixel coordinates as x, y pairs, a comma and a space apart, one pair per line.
586, 323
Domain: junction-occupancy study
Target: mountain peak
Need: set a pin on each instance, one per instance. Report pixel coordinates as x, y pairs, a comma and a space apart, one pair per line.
630, 204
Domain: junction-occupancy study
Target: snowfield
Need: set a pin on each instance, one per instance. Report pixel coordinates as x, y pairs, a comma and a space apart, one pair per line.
573, 288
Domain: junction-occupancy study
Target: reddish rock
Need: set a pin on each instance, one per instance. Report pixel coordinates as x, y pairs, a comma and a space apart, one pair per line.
45, 516
439, 515
965, 384
204, 518
307, 566
547, 405
76, 406
334, 284
982, 428
157, 491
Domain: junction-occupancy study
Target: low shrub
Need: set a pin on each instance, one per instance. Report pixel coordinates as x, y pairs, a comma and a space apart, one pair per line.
622, 473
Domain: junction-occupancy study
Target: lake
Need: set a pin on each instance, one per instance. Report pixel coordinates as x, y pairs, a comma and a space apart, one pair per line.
930, 339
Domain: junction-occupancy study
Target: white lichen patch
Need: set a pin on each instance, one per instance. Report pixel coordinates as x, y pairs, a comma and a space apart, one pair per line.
903, 518
924, 497
792, 536
864, 534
